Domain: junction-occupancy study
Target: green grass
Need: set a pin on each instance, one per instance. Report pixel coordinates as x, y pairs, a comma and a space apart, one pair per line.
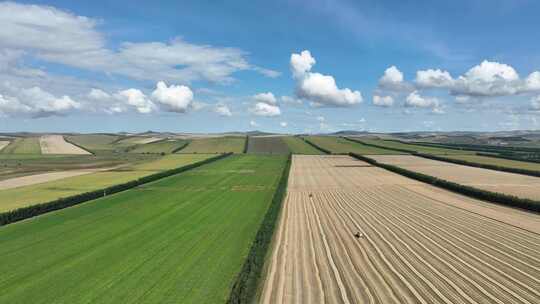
497, 161
416, 148
182, 239
341, 145
40, 193
97, 143
267, 145
298, 146
23, 145
215, 145
166, 146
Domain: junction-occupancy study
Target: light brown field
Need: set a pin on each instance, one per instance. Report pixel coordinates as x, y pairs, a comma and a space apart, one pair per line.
497, 181
55, 144
3, 144
147, 140
417, 244
45, 177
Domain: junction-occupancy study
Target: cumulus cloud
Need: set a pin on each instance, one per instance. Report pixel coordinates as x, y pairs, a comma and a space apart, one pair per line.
264, 109
253, 123
35, 102
222, 109
137, 99
434, 79
415, 100
532, 83
535, 103
174, 98
488, 79
283, 124
383, 101
392, 75
267, 98
291, 100
320, 89
78, 43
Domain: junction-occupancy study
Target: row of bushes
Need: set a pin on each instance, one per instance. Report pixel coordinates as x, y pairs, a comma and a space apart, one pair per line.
61, 203
181, 147
477, 147
484, 195
484, 166
245, 287
66, 139
323, 150
378, 146
246, 145
512, 157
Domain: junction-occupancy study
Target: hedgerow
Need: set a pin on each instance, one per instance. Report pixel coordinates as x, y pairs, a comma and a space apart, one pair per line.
325, 151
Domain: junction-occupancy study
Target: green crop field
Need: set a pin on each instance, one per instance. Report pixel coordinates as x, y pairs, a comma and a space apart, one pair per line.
416, 148
97, 143
341, 145
182, 239
39, 193
23, 145
497, 161
298, 146
165, 146
267, 145
215, 145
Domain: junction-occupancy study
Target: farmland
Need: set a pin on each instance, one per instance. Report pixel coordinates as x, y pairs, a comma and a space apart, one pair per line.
163, 146
341, 145
3, 144
152, 244
47, 191
299, 146
416, 148
55, 144
221, 144
502, 182
97, 143
267, 145
412, 244
23, 145
479, 159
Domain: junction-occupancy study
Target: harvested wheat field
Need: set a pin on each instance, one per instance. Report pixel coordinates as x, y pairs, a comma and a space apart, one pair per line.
353, 233
497, 181
3, 144
55, 144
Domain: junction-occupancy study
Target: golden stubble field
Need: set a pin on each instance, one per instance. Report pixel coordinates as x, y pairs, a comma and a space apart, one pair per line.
503, 182
352, 233
55, 144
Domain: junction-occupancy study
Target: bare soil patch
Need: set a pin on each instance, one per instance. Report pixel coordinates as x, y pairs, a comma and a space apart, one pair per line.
55, 144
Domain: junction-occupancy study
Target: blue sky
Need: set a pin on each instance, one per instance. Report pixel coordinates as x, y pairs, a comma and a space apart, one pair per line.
209, 66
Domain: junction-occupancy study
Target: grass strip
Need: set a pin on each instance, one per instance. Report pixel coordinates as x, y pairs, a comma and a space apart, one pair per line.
61, 203
246, 143
66, 139
180, 148
245, 287
378, 146
493, 197
325, 151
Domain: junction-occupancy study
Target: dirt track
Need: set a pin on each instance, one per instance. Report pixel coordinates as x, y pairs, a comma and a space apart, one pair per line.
415, 246
55, 144
491, 180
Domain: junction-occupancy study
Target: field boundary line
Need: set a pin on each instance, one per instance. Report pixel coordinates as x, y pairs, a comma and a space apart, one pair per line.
309, 142
77, 145
246, 144
181, 147
489, 196
65, 202
244, 289
380, 147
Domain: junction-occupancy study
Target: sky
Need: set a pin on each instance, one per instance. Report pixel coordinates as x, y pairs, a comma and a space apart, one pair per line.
281, 66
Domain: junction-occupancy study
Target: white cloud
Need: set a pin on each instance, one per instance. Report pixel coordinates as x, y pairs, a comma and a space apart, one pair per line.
62, 37
532, 83
222, 109
264, 109
174, 98
136, 99
320, 89
320, 118
391, 75
383, 101
35, 102
253, 123
417, 101
267, 98
488, 79
433, 79
283, 124
291, 100
535, 103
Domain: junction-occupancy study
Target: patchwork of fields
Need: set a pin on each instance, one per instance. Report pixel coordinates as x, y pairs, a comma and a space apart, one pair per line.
299, 146
152, 244
415, 148
496, 181
55, 144
353, 233
267, 145
341, 145
479, 159
23, 145
47, 191
163, 146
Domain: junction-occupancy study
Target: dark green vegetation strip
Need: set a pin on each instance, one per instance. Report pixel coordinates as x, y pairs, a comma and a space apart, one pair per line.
182, 239
498, 198
66, 138
181, 147
323, 150
245, 287
380, 146
246, 145
478, 165
61, 203
509, 157
267, 145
